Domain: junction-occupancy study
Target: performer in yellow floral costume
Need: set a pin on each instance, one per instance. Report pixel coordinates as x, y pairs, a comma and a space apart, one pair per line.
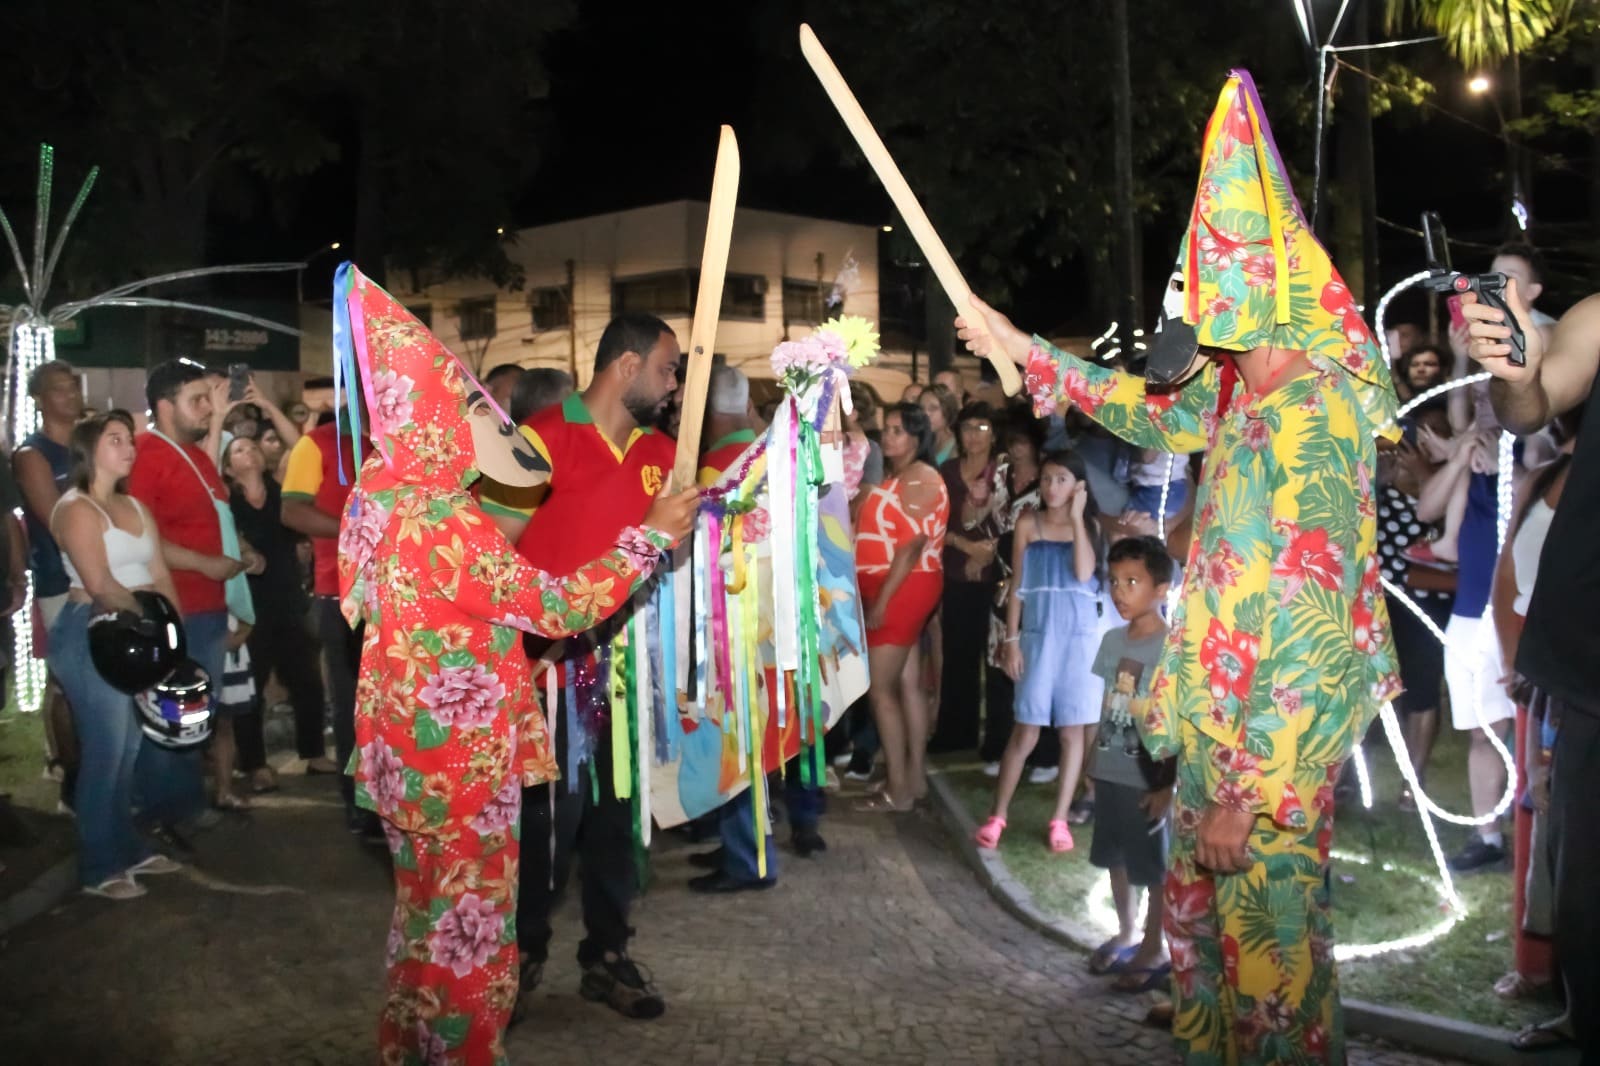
1279, 656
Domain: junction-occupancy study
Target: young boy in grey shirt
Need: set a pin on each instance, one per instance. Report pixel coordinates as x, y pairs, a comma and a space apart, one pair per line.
1132, 792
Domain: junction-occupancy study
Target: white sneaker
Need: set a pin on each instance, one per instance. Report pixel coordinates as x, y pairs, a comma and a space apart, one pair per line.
120, 887
991, 769
1043, 775
842, 761
857, 775
155, 864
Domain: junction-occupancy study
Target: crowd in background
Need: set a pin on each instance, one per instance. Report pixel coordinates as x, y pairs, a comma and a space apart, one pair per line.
990, 541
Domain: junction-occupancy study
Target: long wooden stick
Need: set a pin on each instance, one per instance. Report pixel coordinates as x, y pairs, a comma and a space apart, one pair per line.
707, 308
905, 201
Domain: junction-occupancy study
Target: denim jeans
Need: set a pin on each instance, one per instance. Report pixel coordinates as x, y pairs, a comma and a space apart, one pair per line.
108, 744
171, 784
736, 826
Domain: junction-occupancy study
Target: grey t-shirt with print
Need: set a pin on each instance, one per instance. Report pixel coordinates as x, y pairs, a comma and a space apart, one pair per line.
1126, 666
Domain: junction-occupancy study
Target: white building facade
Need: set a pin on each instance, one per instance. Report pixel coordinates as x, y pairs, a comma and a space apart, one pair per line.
580, 273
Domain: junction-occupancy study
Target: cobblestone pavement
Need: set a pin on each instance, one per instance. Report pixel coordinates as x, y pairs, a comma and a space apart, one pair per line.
883, 950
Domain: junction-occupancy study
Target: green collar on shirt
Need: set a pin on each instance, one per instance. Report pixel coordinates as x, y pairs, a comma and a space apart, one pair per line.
738, 436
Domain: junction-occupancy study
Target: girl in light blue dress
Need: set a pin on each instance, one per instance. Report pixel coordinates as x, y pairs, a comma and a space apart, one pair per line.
1053, 629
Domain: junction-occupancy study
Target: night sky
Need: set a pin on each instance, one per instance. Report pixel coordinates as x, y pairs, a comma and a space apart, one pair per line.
637, 93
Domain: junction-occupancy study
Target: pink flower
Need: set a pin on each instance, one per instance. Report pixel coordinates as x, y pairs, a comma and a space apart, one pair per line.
1287, 700
1041, 381
390, 402
465, 696
502, 810
431, 1046
1257, 434
362, 529
383, 770
757, 525
640, 552
1219, 305
467, 935
1222, 567
396, 946
1219, 248
1260, 270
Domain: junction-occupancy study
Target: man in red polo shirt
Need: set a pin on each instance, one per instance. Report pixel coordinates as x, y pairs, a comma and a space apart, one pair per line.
178, 482
320, 475
606, 466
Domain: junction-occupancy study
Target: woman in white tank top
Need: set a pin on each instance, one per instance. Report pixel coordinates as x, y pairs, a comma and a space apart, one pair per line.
111, 548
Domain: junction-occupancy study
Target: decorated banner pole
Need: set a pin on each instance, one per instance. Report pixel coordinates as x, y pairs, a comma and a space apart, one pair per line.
905, 201
707, 308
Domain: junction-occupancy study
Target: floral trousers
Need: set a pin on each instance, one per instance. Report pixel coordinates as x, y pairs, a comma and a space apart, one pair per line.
1253, 979
452, 953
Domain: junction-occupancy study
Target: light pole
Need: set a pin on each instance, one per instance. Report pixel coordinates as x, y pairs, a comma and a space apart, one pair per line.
1481, 85
305, 261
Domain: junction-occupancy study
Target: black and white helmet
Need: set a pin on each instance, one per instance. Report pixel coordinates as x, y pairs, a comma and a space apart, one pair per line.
176, 713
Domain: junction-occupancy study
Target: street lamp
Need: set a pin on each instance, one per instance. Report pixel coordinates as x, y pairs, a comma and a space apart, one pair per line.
1480, 85
305, 261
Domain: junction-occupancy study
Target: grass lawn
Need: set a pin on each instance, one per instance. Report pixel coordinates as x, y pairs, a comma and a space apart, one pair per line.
1392, 893
22, 760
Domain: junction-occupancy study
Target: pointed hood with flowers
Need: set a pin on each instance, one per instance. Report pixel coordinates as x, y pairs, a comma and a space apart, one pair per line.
420, 403
1253, 273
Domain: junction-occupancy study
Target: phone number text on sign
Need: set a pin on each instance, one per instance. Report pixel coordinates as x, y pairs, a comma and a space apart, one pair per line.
235, 340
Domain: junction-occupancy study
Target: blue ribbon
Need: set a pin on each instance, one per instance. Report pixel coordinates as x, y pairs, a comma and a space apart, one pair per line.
346, 374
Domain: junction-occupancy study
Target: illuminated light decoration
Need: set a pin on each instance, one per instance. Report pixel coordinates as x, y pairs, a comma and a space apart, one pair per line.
1454, 910
1363, 775
1427, 809
1101, 916
32, 325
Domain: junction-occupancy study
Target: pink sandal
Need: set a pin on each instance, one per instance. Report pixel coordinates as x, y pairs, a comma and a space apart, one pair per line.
1060, 837
988, 835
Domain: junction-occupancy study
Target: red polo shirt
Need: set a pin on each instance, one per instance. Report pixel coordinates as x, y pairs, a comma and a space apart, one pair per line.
313, 476
180, 497
596, 489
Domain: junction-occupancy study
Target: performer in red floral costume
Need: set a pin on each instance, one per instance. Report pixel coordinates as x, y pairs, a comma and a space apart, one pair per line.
447, 727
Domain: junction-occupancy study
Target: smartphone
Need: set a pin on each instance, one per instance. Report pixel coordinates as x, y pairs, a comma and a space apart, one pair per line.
1457, 319
238, 381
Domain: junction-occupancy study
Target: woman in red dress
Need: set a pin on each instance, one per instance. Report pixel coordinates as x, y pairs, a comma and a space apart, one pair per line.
899, 543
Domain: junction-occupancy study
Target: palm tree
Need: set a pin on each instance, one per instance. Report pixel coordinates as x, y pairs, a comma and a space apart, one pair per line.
1475, 31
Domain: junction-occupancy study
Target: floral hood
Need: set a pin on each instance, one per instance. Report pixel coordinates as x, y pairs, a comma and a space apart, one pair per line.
1253, 272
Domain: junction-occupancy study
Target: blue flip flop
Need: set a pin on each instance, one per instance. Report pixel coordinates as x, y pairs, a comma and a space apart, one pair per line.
1108, 958
1155, 977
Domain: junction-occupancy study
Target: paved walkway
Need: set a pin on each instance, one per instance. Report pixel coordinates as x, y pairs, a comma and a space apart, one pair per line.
883, 950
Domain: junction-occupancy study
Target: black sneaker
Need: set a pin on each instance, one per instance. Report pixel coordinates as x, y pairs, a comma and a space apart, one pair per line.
808, 842
616, 981
707, 860
1477, 855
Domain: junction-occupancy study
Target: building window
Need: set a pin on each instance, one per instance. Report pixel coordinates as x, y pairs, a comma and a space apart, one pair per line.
802, 302
477, 319
744, 296
423, 313
667, 294
551, 307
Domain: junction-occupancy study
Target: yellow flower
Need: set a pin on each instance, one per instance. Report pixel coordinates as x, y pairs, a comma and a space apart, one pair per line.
589, 598
860, 339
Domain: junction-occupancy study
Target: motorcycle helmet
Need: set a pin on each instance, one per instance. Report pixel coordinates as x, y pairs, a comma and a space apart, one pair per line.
132, 651
175, 712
